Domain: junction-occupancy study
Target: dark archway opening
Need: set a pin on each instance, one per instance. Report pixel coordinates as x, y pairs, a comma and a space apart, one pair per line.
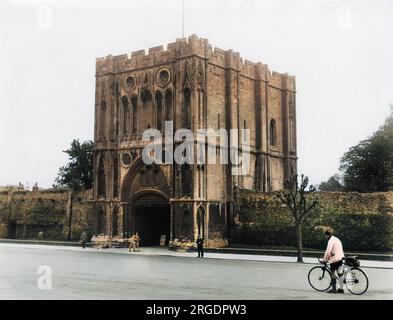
151, 219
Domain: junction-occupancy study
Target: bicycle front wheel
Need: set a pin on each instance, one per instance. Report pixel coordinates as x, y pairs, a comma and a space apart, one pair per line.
356, 281
319, 278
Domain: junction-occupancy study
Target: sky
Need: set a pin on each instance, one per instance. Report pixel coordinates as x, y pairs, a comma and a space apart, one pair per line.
340, 52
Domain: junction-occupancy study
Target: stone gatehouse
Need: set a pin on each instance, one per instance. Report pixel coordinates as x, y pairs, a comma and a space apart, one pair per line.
195, 86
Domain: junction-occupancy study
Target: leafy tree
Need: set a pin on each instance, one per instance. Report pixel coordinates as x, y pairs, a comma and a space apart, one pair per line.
295, 198
368, 166
332, 184
77, 175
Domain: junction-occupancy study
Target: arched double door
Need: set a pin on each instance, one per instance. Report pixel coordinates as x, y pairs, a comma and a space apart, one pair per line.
149, 214
147, 209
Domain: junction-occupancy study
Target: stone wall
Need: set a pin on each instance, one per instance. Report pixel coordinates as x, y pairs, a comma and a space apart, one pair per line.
23, 214
362, 221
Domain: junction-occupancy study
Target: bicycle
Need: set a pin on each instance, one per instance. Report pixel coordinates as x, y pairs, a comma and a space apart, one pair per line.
349, 273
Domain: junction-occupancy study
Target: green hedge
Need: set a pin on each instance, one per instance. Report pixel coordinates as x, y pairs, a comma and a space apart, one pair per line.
363, 232
363, 222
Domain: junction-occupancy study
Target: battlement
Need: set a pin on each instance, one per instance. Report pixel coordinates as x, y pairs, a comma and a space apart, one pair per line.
186, 47
183, 47
283, 81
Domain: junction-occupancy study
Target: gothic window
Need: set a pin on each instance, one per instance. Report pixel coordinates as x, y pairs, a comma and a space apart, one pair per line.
292, 129
147, 107
126, 159
130, 82
201, 172
200, 108
186, 180
126, 115
117, 100
168, 105
102, 116
134, 102
292, 133
273, 133
146, 97
186, 114
101, 179
159, 110
115, 177
164, 77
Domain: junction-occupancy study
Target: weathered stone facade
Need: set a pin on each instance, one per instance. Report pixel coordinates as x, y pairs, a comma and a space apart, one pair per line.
195, 86
23, 214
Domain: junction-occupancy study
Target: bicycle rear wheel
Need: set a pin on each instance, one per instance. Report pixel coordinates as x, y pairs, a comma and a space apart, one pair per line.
319, 278
356, 281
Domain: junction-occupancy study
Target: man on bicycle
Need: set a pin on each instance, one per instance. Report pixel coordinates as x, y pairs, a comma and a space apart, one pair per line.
334, 254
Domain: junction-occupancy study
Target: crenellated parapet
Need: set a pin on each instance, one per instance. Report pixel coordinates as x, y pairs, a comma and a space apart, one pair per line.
192, 46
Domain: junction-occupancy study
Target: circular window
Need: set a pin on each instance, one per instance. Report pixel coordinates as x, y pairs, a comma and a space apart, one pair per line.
126, 159
163, 77
130, 82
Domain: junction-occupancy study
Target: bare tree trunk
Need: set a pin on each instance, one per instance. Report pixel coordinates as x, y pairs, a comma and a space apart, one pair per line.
69, 236
299, 239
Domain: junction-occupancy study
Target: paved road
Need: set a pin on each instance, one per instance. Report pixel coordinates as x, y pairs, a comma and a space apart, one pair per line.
116, 274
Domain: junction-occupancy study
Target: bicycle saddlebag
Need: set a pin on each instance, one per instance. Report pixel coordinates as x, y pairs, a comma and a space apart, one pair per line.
352, 262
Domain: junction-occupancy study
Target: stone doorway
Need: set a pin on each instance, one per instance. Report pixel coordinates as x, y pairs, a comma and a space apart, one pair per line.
151, 216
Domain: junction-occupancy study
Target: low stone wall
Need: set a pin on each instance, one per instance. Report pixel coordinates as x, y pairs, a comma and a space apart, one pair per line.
362, 221
23, 214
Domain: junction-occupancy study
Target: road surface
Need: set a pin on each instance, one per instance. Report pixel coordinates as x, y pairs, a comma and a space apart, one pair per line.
75, 273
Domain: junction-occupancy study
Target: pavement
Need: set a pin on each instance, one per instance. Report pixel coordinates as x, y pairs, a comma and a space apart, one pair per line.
158, 273
243, 252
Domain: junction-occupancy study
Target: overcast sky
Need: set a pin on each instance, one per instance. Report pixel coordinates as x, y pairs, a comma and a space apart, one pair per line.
341, 53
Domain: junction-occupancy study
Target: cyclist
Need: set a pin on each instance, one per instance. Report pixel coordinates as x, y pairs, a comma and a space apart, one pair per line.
334, 254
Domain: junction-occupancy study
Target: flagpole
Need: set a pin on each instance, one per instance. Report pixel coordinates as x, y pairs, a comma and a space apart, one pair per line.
183, 21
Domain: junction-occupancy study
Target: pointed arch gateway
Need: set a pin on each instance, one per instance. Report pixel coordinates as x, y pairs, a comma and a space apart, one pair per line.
146, 210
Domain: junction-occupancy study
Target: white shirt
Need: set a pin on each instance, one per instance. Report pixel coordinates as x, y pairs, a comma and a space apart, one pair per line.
334, 251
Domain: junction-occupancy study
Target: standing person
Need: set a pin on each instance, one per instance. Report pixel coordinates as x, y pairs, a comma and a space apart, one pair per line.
334, 254
137, 241
83, 239
132, 243
199, 243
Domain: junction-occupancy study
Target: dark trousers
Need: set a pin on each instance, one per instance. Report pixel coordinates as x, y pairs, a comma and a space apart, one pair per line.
200, 252
334, 267
83, 244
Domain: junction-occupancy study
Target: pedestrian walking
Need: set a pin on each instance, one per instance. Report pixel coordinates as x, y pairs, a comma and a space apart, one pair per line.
199, 243
83, 239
